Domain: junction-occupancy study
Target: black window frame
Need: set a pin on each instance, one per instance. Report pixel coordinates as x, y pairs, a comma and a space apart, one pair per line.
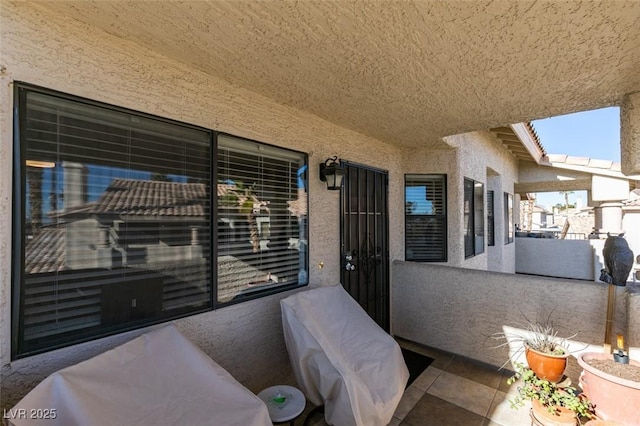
18, 272
509, 228
474, 235
440, 217
491, 232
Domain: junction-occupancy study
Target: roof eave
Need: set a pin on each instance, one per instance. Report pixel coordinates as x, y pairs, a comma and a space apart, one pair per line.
529, 140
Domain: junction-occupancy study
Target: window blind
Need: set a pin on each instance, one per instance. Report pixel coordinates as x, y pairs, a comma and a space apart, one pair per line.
116, 208
425, 218
262, 216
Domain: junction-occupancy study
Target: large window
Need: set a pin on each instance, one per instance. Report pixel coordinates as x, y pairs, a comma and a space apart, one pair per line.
473, 218
426, 218
114, 217
508, 218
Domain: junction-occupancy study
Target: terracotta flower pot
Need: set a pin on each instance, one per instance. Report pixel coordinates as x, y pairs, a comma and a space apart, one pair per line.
561, 417
615, 399
548, 367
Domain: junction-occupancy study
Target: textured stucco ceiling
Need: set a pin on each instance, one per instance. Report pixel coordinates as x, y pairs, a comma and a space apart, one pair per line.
403, 72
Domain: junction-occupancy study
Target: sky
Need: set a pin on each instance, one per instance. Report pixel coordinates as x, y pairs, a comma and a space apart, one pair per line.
594, 134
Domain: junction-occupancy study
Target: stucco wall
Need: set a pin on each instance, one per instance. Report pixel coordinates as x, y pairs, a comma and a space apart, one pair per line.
444, 161
458, 309
62, 54
53, 51
483, 158
479, 156
555, 258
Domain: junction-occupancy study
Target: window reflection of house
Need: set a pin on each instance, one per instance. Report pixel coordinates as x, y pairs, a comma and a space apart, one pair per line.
133, 254
259, 239
141, 223
144, 238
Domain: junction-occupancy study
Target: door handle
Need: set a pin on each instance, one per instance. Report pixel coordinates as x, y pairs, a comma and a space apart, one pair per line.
349, 264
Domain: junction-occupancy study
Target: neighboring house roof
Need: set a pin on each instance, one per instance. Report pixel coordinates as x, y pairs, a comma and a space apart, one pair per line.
153, 198
45, 251
587, 165
583, 161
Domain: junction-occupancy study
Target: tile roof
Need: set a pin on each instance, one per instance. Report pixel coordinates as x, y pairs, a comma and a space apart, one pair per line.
153, 198
535, 137
45, 251
583, 161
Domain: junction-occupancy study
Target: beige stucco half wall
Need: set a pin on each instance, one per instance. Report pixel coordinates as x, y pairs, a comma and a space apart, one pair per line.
459, 310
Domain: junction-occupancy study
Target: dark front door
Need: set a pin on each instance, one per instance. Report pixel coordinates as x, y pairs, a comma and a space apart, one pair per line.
364, 240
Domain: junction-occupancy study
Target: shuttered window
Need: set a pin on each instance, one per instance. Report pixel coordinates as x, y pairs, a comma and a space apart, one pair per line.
262, 218
426, 218
113, 220
491, 233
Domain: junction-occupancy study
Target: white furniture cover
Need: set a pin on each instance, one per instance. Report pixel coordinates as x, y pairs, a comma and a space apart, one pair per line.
341, 358
159, 378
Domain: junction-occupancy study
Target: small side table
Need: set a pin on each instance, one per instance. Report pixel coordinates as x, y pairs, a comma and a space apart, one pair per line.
285, 403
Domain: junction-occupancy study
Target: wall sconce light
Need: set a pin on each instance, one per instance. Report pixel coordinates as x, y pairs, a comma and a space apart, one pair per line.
332, 173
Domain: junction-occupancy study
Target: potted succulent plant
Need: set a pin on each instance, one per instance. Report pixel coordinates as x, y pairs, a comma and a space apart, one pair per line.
545, 350
551, 403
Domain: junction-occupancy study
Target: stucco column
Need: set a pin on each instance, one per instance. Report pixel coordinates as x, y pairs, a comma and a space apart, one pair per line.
104, 259
611, 218
630, 134
194, 236
597, 218
196, 248
103, 236
75, 184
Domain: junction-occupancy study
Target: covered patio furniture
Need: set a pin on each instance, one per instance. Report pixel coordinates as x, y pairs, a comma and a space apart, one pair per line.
341, 358
159, 378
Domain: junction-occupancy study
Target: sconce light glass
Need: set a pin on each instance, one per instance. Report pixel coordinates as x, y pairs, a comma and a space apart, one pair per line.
332, 173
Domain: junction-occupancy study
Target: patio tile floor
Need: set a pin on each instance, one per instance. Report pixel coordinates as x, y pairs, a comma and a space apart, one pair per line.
455, 391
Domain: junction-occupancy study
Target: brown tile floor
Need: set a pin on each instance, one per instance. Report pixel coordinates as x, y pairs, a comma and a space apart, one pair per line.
455, 391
